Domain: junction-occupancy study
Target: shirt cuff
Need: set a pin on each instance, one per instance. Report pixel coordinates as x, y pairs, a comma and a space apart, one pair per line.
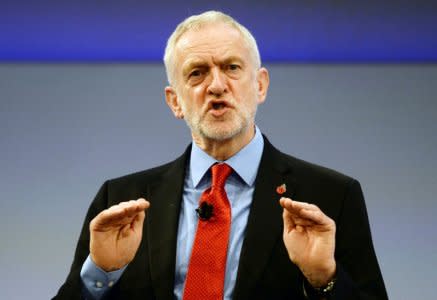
96, 281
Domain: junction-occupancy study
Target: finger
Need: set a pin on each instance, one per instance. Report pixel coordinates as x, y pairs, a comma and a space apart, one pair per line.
136, 205
289, 206
125, 230
292, 221
137, 223
286, 203
111, 215
303, 205
288, 219
296, 206
304, 214
303, 222
143, 204
296, 209
131, 208
318, 217
122, 213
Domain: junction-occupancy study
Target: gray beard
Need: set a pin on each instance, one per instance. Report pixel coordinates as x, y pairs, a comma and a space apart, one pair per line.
198, 127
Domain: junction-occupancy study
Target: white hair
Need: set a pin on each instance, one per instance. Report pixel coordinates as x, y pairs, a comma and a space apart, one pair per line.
196, 22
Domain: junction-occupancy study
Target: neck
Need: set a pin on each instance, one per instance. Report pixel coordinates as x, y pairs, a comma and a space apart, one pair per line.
224, 149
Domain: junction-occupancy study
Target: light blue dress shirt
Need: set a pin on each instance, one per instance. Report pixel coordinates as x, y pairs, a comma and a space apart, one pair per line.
239, 188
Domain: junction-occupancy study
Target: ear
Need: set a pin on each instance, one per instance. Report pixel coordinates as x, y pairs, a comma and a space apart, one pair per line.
263, 80
172, 100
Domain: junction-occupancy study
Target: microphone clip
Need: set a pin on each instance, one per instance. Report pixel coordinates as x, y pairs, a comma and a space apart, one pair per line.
205, 211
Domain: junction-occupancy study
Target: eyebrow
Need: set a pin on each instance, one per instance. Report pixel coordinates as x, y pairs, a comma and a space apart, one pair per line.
192, 64
231, 59
198, 63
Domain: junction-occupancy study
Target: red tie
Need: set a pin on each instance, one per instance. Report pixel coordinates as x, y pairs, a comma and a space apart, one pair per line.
206, 271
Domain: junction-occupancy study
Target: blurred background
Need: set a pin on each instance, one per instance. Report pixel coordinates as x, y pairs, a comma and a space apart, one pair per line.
353, 87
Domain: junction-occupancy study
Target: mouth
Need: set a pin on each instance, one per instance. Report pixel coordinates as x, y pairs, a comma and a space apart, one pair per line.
218, 104
218, 107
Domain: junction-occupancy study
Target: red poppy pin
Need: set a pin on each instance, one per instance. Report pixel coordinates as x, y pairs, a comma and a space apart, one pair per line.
281, 189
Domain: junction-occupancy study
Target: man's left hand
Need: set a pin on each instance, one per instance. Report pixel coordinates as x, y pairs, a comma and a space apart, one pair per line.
309, 236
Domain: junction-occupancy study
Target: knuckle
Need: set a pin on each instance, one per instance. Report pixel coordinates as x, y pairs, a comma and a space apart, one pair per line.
92, 223
313, 206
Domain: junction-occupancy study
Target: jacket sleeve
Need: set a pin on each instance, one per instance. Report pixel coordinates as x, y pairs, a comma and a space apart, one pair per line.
72, 288
358, 273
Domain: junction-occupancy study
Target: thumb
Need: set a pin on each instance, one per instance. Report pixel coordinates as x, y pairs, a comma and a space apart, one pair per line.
286, 215
137, 223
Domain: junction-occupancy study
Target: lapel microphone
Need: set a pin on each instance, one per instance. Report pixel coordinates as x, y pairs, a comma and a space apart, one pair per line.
204, 211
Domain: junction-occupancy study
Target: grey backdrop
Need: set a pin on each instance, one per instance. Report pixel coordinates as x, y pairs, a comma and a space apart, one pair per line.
64, 129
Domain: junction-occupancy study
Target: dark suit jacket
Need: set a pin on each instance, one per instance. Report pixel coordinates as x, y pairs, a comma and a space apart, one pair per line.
265, 270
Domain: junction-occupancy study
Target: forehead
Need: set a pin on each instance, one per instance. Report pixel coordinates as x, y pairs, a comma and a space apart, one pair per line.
216, 41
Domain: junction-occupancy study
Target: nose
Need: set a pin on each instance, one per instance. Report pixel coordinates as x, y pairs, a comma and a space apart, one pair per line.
217, 86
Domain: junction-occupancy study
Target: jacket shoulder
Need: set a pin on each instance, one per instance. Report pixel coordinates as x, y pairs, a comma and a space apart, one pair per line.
327, 188
136, 185
303, 169
315, 171
148, 175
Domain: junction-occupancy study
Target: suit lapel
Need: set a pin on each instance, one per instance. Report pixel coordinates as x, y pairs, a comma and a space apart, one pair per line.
264, 226
163, 216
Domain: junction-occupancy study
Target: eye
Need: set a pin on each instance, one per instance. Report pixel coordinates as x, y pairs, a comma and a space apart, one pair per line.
195, 73
233, 67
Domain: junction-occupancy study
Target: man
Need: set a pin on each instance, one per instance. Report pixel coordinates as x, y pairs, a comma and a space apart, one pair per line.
316, 246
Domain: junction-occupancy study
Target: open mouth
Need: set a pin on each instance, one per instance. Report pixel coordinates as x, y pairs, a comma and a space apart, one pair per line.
218, 108
218, 105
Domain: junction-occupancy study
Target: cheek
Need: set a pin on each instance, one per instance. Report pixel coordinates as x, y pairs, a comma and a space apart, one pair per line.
245, 93
197, 90
190, 94
197, 95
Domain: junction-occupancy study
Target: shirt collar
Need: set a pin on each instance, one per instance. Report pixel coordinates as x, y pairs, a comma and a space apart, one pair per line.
245, 162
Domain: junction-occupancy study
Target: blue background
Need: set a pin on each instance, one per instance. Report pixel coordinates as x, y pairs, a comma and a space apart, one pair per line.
290, 31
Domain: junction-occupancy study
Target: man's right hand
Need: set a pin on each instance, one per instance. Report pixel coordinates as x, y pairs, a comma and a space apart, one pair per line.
115, 234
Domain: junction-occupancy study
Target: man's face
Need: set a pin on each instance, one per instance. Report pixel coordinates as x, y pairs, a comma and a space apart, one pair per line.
217, 86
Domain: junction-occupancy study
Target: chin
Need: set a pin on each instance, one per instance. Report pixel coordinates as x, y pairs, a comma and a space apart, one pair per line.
222, 133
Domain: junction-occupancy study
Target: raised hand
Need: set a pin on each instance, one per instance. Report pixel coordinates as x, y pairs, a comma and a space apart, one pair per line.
309, 236
115, 234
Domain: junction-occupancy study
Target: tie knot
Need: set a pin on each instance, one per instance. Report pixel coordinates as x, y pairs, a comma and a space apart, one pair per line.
220, 172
